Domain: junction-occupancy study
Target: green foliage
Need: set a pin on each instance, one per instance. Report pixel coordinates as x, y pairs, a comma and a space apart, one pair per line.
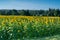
50, 12
10, 30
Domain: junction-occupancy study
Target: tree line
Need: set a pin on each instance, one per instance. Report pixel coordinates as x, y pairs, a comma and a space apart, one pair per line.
50, 12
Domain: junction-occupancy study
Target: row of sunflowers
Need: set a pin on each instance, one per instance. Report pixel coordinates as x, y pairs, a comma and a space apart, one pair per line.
15, 27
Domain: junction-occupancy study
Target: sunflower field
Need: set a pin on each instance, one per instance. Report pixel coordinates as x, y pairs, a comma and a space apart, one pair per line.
16, 27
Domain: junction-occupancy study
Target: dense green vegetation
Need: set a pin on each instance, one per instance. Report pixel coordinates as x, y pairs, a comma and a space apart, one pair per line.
29, 24
50, 12
20, 27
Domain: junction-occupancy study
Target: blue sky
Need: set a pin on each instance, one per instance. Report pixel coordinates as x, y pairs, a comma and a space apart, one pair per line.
29, 4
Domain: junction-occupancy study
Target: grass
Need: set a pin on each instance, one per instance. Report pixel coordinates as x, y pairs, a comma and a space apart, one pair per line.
55, 37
